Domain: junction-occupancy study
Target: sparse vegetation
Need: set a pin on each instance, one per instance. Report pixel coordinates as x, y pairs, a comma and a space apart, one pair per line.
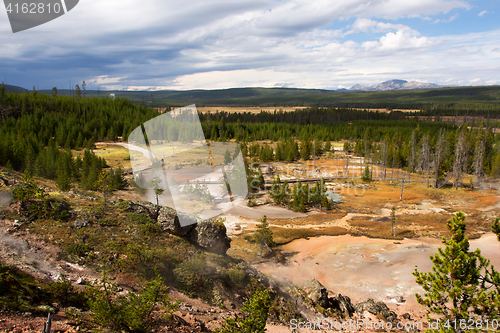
254, 316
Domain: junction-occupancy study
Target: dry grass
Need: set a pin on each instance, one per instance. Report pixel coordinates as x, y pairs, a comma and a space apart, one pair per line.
314, 219
251, 109
114, 155
286, 235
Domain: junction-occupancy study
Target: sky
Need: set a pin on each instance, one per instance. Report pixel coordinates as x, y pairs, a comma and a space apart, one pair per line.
218, 44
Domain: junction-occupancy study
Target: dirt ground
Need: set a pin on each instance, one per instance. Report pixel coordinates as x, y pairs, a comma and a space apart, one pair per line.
363, 268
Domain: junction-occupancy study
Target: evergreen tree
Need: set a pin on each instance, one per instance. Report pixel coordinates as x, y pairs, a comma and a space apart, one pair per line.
254, 316
103, 184
305, 150
366, 176
328, 146
63, 180
264, 236
462, 285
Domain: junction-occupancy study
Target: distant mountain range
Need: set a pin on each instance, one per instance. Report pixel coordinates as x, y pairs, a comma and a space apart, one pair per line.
395, 85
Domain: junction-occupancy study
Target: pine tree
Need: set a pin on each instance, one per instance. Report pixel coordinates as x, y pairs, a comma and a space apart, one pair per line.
305, 150
263, 237
462, 285
328, 146
103, 184
366, 176
255, 312
63, 180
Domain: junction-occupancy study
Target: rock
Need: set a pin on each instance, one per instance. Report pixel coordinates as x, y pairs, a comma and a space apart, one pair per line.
400, 299
81, 281
82, 222
211, 236
317, 293
378, 308
143, 207
406, 316
311, 285
343, 304
169, 220
320, 297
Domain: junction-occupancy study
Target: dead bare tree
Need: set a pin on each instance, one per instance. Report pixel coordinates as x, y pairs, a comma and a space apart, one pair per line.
479, 158
460, 159
413, 153
384, 157
440, 151
424, 156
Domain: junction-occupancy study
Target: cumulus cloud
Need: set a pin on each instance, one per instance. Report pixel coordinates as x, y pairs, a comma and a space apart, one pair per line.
219, 44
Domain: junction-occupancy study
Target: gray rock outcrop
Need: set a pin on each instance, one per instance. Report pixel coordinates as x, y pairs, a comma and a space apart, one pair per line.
376, 308
342, 304
210, 235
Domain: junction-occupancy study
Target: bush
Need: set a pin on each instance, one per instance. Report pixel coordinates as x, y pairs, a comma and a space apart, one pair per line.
122, 204
193, 277
366, 176
140, 218
255, 312
132, 312
78, 249
65, 294
151, 228
107, 222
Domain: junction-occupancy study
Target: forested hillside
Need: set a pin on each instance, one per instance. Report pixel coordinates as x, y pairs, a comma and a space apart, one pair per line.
483, 100
38, 132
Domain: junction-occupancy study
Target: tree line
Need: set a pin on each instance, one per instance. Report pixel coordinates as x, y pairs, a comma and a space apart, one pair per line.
38, 132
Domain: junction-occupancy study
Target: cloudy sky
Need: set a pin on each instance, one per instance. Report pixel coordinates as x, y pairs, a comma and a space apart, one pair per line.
212, 44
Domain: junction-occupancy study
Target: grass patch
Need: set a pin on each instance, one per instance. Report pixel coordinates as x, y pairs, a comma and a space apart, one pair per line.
286, 235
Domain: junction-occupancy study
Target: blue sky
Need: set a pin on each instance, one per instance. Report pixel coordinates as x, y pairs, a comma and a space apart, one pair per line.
164, 44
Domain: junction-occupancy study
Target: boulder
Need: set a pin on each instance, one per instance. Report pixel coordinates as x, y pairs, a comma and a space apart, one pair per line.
343, 304
378, 308
143, 207
211, 236
320, 297
169, 220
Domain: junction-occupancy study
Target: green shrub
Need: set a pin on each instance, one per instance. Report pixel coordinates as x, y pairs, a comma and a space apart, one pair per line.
132, 312
193, 277
107, 222
150, 228
137, 218
78, 249
236, 277
255, 312
122, 204
65, 294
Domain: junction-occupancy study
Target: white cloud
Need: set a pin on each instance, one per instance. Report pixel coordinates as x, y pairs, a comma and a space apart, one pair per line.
452, 18
481, 14
220, 44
